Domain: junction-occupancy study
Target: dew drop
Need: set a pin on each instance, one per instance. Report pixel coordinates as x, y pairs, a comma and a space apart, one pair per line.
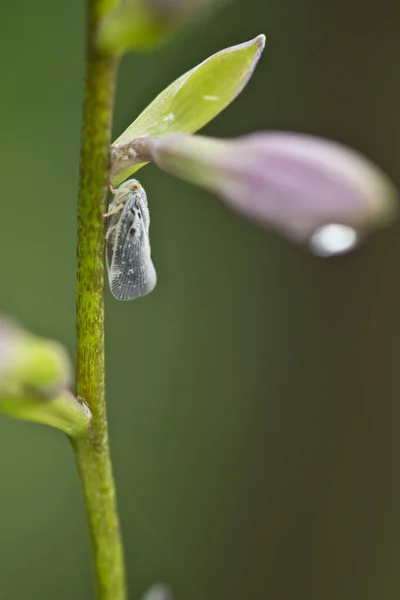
333, 239
168, 118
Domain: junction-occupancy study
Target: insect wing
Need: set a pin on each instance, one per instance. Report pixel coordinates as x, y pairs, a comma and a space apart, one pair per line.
131, 272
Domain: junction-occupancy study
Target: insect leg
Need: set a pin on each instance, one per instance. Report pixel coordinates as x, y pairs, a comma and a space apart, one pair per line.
116, 208
110, 230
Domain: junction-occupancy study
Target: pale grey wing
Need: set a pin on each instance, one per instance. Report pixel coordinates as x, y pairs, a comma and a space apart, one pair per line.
131, 272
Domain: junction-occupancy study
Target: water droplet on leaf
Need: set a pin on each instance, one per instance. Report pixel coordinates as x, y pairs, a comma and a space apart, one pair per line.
333, 239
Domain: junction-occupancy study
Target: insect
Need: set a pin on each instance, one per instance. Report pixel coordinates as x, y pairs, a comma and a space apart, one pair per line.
131, 272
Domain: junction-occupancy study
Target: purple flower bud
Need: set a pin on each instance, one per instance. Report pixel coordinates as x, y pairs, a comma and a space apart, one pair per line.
9, 340
141, 24
297, 184
34, 373
158, 591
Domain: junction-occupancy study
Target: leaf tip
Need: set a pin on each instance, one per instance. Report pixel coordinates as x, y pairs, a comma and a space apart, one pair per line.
260, 41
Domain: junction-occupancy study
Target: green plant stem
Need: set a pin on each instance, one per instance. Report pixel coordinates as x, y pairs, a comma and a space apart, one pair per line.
92, 449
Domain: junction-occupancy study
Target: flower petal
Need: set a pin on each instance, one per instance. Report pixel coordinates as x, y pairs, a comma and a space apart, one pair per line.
291, 182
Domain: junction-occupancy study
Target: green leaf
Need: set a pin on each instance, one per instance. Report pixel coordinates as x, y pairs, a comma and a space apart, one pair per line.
193, 100
63, 411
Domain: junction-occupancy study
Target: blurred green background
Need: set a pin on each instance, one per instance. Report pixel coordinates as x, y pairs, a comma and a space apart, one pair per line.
254, 397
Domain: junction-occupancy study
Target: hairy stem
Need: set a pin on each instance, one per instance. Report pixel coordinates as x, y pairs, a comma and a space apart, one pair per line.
92, 449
